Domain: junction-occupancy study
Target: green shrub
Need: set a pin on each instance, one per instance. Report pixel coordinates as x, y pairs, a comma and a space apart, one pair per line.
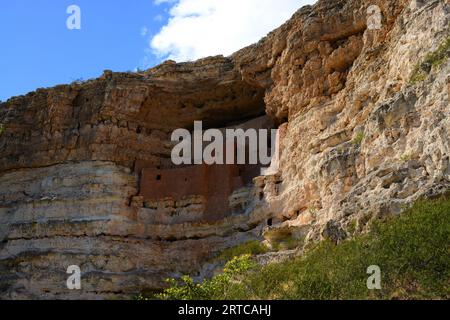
406, 157
412, 250
432, 60
351, 228
358, 138
288, 243
250, 248
418, 75
215, 288
2, 129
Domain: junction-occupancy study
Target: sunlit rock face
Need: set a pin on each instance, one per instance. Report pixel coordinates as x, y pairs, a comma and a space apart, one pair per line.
357, 138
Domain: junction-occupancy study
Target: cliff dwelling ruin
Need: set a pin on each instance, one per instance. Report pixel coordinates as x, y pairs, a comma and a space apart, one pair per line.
200, 192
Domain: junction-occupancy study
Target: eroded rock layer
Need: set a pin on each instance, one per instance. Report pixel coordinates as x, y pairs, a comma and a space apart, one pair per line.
365, 119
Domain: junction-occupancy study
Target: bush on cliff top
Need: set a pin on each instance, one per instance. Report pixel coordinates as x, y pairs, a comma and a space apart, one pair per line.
412, 250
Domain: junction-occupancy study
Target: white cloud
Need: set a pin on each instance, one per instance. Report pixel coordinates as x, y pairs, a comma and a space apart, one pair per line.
201, 28
158, 18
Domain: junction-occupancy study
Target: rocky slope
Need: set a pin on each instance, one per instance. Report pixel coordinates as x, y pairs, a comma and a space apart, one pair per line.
366, 124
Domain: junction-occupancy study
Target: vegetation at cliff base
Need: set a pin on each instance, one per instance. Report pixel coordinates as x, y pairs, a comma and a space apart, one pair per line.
412, 251
249, 248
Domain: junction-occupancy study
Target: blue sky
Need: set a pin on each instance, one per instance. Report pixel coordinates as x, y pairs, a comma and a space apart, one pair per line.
38, 50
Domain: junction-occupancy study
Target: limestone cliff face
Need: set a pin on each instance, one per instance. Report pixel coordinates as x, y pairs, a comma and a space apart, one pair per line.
360, 140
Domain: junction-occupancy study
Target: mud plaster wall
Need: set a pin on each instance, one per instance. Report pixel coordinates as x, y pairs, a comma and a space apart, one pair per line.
215, 183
